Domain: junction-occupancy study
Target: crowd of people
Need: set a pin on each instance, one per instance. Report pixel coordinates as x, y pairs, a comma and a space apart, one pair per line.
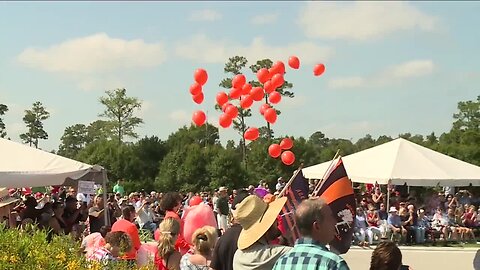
238, 229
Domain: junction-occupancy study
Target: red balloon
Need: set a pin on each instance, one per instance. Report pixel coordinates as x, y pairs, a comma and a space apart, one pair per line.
251, 134
231, 111
225, 106
257, 93
235, 93
274, 97
318, 69
274, 150
198, 98
246, 101
195, 200
277, 80
200, 76
270, 115
263, 75
263, 108
294, 62
195, 89
288, 158
238, 81
286, 143
225, 120
278, 68
246, 89
222, 98
269, 87
199, 118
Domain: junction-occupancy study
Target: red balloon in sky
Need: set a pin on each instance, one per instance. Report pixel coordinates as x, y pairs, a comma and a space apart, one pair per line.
294, 62
286, 143
268, 87
257, 93
274, 150
195, 89
198, 98
200, 76
231, 111
274, 97
263, 108
246, 89
225, 106
235, 93
238, 81
270, 115
288, 158
277, 80
263, 75
278, 68
318, 69
246, 101
251, 134
221, 98
199, 118
225, 120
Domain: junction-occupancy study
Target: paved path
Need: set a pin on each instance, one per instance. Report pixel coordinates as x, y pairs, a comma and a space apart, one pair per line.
420, 258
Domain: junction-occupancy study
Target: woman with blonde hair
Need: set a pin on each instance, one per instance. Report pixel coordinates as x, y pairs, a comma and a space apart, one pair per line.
167, 257
203, 240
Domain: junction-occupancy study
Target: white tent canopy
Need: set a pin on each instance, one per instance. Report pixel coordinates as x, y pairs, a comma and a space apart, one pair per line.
401, 161
24, 166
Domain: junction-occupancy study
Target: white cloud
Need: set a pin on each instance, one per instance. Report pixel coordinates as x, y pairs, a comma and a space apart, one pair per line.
180, 117
202, 49
146, 107
362, 20
94, 54
265, 19
391, 75
205, 15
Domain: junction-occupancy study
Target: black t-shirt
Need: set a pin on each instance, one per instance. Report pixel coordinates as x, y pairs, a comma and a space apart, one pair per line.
225, 249
95, 222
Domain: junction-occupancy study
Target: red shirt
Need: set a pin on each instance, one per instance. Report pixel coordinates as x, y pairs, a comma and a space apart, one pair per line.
129, 228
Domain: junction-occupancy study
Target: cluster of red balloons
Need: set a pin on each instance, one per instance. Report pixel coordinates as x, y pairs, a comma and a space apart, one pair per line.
196, 89
287, 157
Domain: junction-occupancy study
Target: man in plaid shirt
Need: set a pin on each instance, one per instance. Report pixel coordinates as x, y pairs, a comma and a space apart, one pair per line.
316, 224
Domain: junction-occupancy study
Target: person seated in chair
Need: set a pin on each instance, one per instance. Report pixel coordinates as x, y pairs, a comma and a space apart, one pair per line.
395, 224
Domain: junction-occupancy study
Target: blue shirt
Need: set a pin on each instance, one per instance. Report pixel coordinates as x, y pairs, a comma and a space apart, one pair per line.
394, 220
308, 254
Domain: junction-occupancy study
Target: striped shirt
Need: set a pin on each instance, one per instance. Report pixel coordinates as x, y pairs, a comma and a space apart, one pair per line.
308, 254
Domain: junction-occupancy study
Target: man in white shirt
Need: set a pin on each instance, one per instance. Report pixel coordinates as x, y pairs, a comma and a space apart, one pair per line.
145, 216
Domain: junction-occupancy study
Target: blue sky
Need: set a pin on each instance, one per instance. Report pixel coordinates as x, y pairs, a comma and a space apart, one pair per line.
392, 67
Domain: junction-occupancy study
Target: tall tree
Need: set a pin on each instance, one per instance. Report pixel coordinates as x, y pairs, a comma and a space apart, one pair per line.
120, 111
3, 110
73, 140
468, 115
284, 90
34, 120
233, 67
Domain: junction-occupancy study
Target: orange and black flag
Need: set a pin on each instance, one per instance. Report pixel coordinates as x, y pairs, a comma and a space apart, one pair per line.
337, 191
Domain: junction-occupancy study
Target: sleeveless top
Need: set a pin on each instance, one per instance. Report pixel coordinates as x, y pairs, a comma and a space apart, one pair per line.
186, 264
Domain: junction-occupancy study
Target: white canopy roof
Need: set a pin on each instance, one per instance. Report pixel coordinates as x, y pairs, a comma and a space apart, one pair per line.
24, 166
401, 161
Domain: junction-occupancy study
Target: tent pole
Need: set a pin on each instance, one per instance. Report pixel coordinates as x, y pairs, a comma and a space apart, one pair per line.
105, 204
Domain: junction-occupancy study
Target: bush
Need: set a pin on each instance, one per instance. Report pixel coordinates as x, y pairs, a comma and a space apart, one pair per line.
28, 249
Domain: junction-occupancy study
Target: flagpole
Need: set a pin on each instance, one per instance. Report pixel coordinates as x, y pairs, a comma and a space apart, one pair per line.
320, 184
290, 181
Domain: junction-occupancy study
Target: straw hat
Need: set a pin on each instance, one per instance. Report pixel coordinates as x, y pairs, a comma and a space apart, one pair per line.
256, 217
5, 198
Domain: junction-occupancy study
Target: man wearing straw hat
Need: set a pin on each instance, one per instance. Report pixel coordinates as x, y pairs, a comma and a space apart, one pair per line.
259, 226
316, 224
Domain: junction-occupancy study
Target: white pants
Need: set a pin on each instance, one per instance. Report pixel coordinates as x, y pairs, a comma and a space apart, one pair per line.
222, 222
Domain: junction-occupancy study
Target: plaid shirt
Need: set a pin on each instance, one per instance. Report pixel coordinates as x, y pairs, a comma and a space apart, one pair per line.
308, 254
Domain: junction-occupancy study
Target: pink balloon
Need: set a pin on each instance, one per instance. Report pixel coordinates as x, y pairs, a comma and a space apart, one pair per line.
274, 97
200, 76
196, 217
199, 118
195, 89
294, 62
238, 81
